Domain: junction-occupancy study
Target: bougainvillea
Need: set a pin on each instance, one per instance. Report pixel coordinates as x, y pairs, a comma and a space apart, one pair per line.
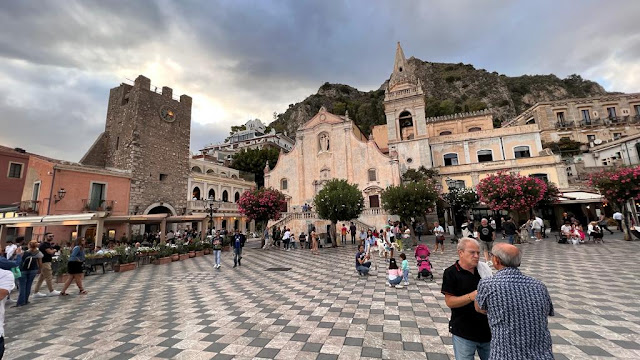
262, 204
618, 185
509, 191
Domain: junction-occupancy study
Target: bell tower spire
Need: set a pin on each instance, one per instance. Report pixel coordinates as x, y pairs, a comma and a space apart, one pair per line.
401, 73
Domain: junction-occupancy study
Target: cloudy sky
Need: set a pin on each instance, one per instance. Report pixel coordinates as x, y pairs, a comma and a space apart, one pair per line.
248, 59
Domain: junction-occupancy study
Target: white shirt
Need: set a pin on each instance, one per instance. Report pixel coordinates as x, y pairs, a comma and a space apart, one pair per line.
9, 250
438, 230
617, 216
565, 229
6, 282
537, 223
287, 235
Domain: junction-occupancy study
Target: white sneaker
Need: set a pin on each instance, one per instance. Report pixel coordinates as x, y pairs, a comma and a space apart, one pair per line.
399, 286
54, 293
406, 283
39, 294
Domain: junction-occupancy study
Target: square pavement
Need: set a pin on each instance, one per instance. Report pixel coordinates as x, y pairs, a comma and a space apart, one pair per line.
320, 309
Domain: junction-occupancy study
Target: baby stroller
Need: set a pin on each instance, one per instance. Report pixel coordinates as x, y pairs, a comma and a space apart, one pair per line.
424, 265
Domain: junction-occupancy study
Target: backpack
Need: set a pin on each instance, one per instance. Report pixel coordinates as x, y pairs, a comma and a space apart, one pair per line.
29, 262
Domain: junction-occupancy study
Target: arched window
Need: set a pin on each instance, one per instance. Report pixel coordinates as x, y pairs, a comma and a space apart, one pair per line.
212, 194
223, 174
521, 152
196, 193
236, 197
196, 169
406, 125
543, 177
284, 184
450, 159
225, 196
530, 121
485, 155
210, 171
372, 175
474, 129
446, 132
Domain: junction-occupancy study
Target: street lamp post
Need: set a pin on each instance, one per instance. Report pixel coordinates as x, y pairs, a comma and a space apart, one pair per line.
450, 185
212, 205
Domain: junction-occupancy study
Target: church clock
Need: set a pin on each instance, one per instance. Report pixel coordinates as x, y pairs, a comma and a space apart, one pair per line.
167, 114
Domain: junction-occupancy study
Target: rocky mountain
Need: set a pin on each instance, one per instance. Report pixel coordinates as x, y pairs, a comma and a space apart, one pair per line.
448, 88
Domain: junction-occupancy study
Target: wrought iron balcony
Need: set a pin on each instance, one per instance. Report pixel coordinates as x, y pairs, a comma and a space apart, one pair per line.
591, 122
97, 205
565, 125
29, 206
615, 120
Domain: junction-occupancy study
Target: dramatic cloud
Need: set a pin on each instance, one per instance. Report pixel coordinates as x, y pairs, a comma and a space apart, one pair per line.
248, 59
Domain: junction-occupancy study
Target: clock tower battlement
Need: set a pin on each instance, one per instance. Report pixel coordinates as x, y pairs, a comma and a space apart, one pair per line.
147, 132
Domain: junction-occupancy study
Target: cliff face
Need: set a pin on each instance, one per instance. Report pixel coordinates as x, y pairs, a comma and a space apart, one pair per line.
448, 88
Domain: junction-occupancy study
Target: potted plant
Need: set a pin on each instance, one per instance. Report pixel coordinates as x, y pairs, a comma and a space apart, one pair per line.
59, 266
175, 256
226, 243
163, 255
207, 246
199, 248
192, 249
182, 250
126, 259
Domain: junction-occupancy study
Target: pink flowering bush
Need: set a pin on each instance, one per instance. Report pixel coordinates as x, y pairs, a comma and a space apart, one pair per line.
262, 204
511, 192
617, 185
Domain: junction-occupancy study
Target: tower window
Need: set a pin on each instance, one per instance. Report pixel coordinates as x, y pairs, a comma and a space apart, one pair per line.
163, 177
284, 184
372, 175
446, 132
117, 142
406, 125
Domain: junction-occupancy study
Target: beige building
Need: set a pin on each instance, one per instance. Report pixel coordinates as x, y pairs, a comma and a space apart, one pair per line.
589, 120
208, 179
464, 148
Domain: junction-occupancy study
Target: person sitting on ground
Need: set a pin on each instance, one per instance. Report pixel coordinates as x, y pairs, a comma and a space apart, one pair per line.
594, 230
565, 231
362, 261
395, 274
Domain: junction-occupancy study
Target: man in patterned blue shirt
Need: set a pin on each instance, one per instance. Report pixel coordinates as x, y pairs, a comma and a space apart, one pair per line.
517, 307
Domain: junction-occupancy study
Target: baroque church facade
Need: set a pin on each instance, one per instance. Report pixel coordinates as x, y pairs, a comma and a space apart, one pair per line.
464, 148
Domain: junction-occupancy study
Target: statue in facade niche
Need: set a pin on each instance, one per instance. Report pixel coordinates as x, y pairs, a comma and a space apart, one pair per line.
324, 142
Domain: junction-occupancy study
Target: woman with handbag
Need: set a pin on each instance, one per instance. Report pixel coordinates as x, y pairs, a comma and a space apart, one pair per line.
75, 268
29, 267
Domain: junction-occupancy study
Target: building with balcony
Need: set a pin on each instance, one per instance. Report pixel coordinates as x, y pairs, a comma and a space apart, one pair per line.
209, 179
13, 167
55, 187
254, 136
588, 120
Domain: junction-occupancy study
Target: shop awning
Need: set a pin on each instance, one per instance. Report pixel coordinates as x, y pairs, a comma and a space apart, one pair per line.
579, 197
49, 220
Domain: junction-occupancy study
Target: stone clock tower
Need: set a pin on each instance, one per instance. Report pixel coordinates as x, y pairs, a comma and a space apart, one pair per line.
147, 133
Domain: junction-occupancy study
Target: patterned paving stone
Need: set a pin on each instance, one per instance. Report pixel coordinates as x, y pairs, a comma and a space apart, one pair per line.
189, 310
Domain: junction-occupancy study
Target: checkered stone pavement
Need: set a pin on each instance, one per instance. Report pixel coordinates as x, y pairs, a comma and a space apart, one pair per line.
320, 309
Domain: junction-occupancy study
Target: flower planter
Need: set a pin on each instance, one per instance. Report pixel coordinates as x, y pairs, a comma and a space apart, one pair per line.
124, 267
226, 248
192, 254
199, 253
207, 251
175, 257
61, 279
162, 261
184, 256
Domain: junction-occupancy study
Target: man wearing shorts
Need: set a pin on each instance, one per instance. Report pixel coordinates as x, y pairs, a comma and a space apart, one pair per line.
438, 231
487, 236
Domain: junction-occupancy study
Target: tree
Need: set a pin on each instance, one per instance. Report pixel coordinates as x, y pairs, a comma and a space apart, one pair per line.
511, 192
550, 196
409, 201
254, 160
619, 185
420, 174
338, 200
461, 201
262, 205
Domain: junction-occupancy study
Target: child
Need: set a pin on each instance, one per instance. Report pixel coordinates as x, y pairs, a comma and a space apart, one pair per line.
395, 274
405, 268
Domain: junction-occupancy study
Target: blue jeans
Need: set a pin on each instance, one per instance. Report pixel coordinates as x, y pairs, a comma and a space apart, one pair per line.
26, 280
216, 255
363, 269
405, 275
465, 349
510, 239
395, 281
237, 255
